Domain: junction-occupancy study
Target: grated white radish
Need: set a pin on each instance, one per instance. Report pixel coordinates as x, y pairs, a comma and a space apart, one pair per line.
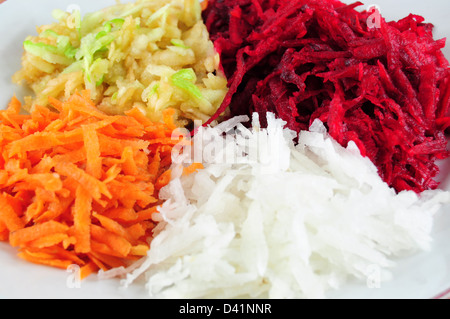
293, 223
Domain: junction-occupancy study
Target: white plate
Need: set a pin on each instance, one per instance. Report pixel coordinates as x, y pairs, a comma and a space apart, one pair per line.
424, 275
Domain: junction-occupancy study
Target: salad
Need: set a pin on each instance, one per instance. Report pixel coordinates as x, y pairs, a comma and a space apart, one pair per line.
226, 149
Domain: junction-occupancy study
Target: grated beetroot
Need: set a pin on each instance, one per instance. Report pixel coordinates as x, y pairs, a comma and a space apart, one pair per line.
387, 88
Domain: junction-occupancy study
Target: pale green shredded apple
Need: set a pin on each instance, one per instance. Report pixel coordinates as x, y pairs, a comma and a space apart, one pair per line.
149, 54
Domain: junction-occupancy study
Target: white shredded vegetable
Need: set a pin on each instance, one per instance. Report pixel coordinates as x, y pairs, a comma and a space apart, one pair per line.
277, 219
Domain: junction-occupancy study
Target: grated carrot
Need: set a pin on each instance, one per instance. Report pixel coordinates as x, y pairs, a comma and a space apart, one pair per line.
92, 146
8, 215
25, 235
88, 269
204, 5
78, 186
82, 220
192, 168
163, 180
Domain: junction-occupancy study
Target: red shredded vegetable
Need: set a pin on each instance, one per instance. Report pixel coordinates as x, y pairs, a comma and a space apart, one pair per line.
385, 87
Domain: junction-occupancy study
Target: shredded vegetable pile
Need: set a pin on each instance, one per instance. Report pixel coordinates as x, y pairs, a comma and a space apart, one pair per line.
79, 186
280, 221
148, 54
385, 87
314, 162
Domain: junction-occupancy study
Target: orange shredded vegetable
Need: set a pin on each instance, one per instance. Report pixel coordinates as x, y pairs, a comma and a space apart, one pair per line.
80, 187
204, 5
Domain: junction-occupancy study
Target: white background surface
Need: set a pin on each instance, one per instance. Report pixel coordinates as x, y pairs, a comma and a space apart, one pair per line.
420, 276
